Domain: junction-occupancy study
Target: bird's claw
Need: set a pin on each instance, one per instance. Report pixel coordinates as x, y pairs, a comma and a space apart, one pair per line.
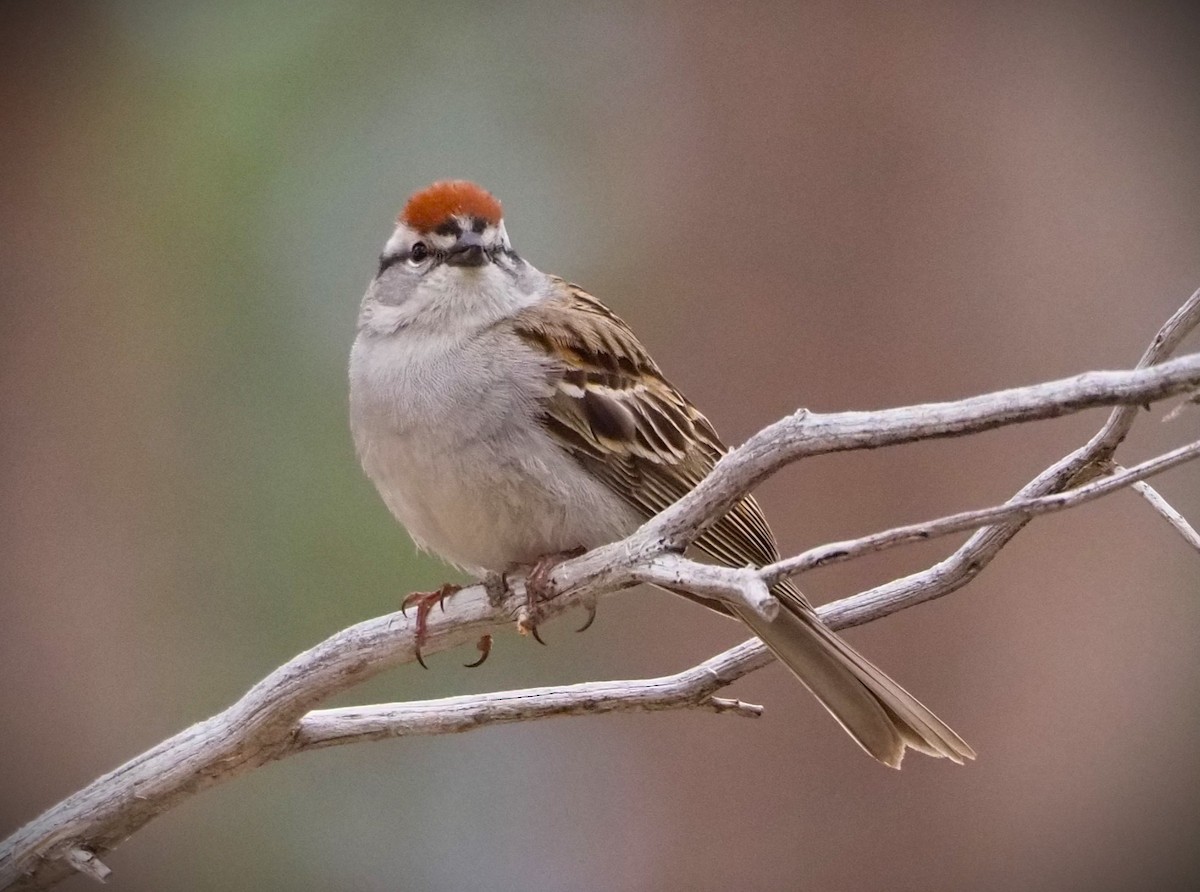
538, 589
484, 644
591, 609
527, 623
425, 602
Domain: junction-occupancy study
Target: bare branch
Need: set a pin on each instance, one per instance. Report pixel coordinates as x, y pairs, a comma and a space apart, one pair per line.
1023, 508
805, 434
270, 721
690, 689
1173, 517
968, 561
736, 585
694, 687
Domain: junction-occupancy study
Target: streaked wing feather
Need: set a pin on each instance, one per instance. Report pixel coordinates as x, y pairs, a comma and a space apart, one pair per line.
613, 410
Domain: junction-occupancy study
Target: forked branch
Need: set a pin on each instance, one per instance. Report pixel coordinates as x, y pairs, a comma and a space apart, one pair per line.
276, 717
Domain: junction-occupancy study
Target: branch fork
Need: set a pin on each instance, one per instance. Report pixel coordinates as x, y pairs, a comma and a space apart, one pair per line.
277, 717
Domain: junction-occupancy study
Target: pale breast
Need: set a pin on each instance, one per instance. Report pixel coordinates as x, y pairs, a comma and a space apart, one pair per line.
448, 432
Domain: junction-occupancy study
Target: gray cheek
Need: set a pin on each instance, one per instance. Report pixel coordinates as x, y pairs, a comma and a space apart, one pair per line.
394, 286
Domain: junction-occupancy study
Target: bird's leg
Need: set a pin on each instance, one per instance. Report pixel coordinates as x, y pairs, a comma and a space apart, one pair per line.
538, 589
497, 588
425, 602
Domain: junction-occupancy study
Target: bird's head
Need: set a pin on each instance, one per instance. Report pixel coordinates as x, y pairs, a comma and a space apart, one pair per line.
448, 263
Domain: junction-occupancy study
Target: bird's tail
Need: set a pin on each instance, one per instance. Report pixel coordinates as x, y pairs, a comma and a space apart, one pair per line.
880, 715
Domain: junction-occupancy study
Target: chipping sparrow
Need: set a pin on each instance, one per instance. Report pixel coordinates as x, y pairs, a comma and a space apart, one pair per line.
505, 415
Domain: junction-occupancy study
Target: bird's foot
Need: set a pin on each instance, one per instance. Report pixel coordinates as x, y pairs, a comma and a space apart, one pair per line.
425, 602
538, 589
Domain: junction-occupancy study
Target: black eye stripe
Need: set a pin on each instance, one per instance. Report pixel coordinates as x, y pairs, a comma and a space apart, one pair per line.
389, 260
386, 261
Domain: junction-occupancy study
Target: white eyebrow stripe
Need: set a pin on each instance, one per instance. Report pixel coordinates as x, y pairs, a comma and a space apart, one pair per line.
396, 243
404, 236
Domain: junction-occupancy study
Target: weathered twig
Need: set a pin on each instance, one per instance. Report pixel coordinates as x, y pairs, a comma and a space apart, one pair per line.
1173, 517
692, 688
269, 721
977, 552
1016, 508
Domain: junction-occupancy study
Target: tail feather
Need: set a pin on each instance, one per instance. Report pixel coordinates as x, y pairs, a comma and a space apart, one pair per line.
882, 717
922, 730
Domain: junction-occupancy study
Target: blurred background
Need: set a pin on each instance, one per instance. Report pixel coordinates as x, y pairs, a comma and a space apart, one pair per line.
840, 206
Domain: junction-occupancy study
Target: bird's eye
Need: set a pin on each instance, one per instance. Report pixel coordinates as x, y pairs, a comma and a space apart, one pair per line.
418, 252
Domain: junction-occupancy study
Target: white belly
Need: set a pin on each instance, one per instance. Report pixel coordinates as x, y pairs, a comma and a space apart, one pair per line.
461, 460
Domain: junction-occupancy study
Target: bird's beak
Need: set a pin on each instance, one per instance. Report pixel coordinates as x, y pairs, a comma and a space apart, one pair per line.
467, 251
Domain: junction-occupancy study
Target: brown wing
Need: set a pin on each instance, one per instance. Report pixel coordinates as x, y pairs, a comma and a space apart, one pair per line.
613, 410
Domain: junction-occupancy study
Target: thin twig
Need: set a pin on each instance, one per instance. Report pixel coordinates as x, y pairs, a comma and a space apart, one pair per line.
1025, 509
690, 689
1173, 517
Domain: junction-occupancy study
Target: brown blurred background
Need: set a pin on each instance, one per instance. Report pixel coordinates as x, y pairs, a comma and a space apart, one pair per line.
831, 205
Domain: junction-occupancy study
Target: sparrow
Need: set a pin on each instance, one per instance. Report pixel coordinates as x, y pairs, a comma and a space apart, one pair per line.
506, 415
